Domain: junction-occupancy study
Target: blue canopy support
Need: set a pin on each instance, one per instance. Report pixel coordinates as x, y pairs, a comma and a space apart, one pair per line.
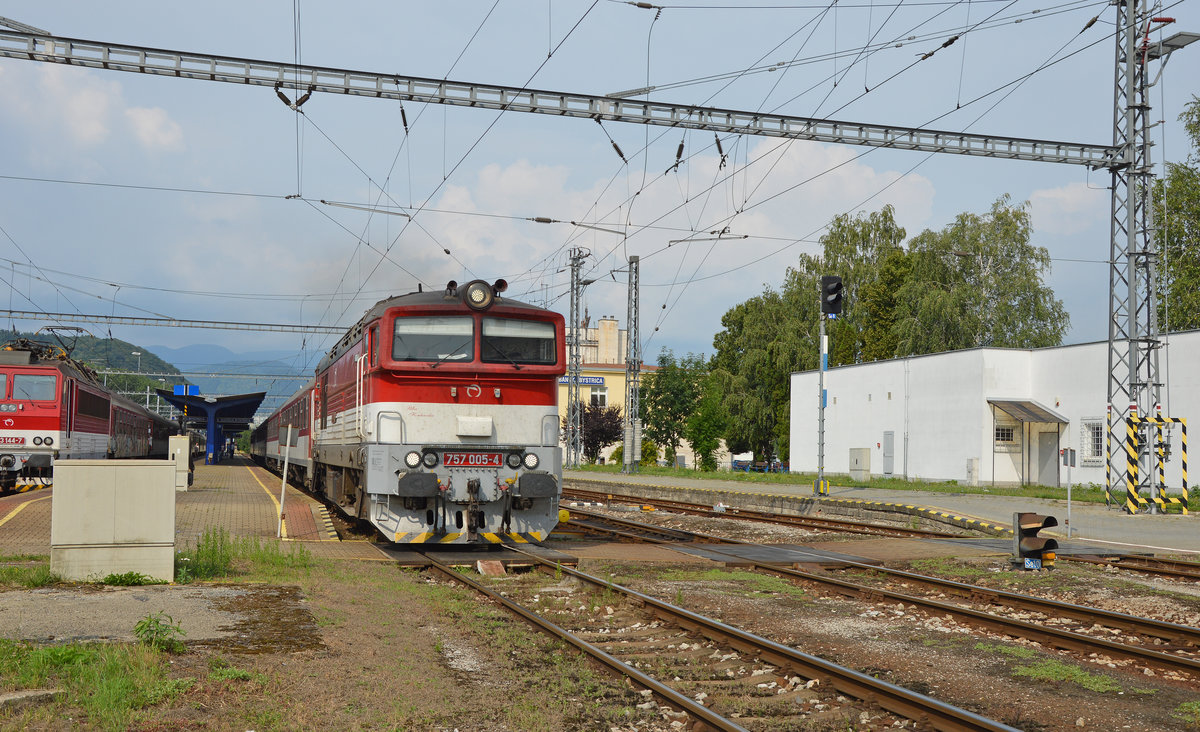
216, 415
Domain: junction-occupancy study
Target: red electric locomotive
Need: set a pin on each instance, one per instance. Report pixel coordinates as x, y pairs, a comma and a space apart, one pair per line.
435, 418
52, 407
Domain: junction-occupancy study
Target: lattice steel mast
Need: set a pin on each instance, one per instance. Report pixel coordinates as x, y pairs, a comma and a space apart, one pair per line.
574, 364
1134, 385
632, 451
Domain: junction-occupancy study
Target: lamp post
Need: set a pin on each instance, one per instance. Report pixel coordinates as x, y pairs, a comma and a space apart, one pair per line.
139, 357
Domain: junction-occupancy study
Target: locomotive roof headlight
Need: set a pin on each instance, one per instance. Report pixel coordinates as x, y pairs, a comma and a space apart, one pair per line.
430, 459
413, 459
479, 295
37, 440
514, 460
531, 460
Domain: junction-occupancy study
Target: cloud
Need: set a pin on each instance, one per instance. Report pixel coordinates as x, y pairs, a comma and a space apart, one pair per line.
1070, 209
154, 129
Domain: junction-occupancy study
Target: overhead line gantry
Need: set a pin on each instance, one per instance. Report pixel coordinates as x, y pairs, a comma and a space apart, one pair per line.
1133, 339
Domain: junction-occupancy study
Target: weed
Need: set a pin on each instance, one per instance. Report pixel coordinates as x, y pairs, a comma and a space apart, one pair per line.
229, 673
159, 631
1054, 670
1189, 712
165, 689
130, 579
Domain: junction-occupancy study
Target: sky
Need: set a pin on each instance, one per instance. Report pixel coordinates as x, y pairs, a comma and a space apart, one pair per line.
125, 194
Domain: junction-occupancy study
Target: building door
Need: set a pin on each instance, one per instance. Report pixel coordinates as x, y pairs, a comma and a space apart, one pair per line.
1047, 458
889, 452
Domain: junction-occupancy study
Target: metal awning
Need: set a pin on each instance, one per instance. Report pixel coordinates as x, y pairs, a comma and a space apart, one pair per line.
1027, 411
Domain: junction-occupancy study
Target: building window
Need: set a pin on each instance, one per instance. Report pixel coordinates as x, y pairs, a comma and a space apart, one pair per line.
599, 396
1091, 442
1007, 438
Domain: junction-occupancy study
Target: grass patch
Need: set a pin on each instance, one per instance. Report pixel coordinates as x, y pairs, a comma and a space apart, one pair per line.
109, 683
1055, 670
1050, 669
218, 555
38, 575
1189, 712
948, 567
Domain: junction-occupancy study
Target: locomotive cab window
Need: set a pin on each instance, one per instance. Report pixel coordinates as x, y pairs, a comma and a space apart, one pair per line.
517, 341
433, 338
3, 386
35, 387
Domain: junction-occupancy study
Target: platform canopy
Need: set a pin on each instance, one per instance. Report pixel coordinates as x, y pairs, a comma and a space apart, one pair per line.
218, 416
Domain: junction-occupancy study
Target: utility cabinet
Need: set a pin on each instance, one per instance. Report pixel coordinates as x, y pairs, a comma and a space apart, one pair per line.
180, 447
860, 463
112, 517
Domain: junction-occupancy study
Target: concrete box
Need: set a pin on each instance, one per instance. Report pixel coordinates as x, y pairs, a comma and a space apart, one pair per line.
180, 453
860, 463
111, 517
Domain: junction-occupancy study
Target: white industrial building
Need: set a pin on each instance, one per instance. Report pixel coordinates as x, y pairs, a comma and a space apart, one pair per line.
982, 416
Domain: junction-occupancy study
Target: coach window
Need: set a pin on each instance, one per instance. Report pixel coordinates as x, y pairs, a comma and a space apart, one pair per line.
35, 387
434, 338
517, 341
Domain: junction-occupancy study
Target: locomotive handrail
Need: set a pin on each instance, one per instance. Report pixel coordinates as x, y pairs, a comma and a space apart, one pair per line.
359, 372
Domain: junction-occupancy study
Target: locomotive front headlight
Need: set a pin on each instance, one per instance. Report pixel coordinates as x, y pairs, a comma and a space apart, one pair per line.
413, 459
531, 460
48, 441
430, 459
37, 440
514, 460
479, 295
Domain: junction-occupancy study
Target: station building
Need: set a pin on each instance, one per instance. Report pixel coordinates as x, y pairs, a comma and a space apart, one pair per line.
983, 416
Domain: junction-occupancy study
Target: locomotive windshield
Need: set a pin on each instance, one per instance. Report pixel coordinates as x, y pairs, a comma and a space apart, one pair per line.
434, 338
36, 387
517, 341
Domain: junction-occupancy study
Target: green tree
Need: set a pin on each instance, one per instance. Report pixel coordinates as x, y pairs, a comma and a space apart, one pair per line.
669, 396
707, 423
978, 282
1177, 221
764, 340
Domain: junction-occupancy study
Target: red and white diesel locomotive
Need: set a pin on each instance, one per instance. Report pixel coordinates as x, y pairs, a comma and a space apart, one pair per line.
52, 407
435, 418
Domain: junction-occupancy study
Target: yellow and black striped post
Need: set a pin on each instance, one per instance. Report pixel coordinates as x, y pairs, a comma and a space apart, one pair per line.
1131, 464
1108, 457
1159, 492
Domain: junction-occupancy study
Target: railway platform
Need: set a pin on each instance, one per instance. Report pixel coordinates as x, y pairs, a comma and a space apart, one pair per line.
235, 495
1095, 523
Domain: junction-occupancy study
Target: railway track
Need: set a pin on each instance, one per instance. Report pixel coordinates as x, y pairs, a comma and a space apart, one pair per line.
711, 674
802, 522
1163, 646
1173, 568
